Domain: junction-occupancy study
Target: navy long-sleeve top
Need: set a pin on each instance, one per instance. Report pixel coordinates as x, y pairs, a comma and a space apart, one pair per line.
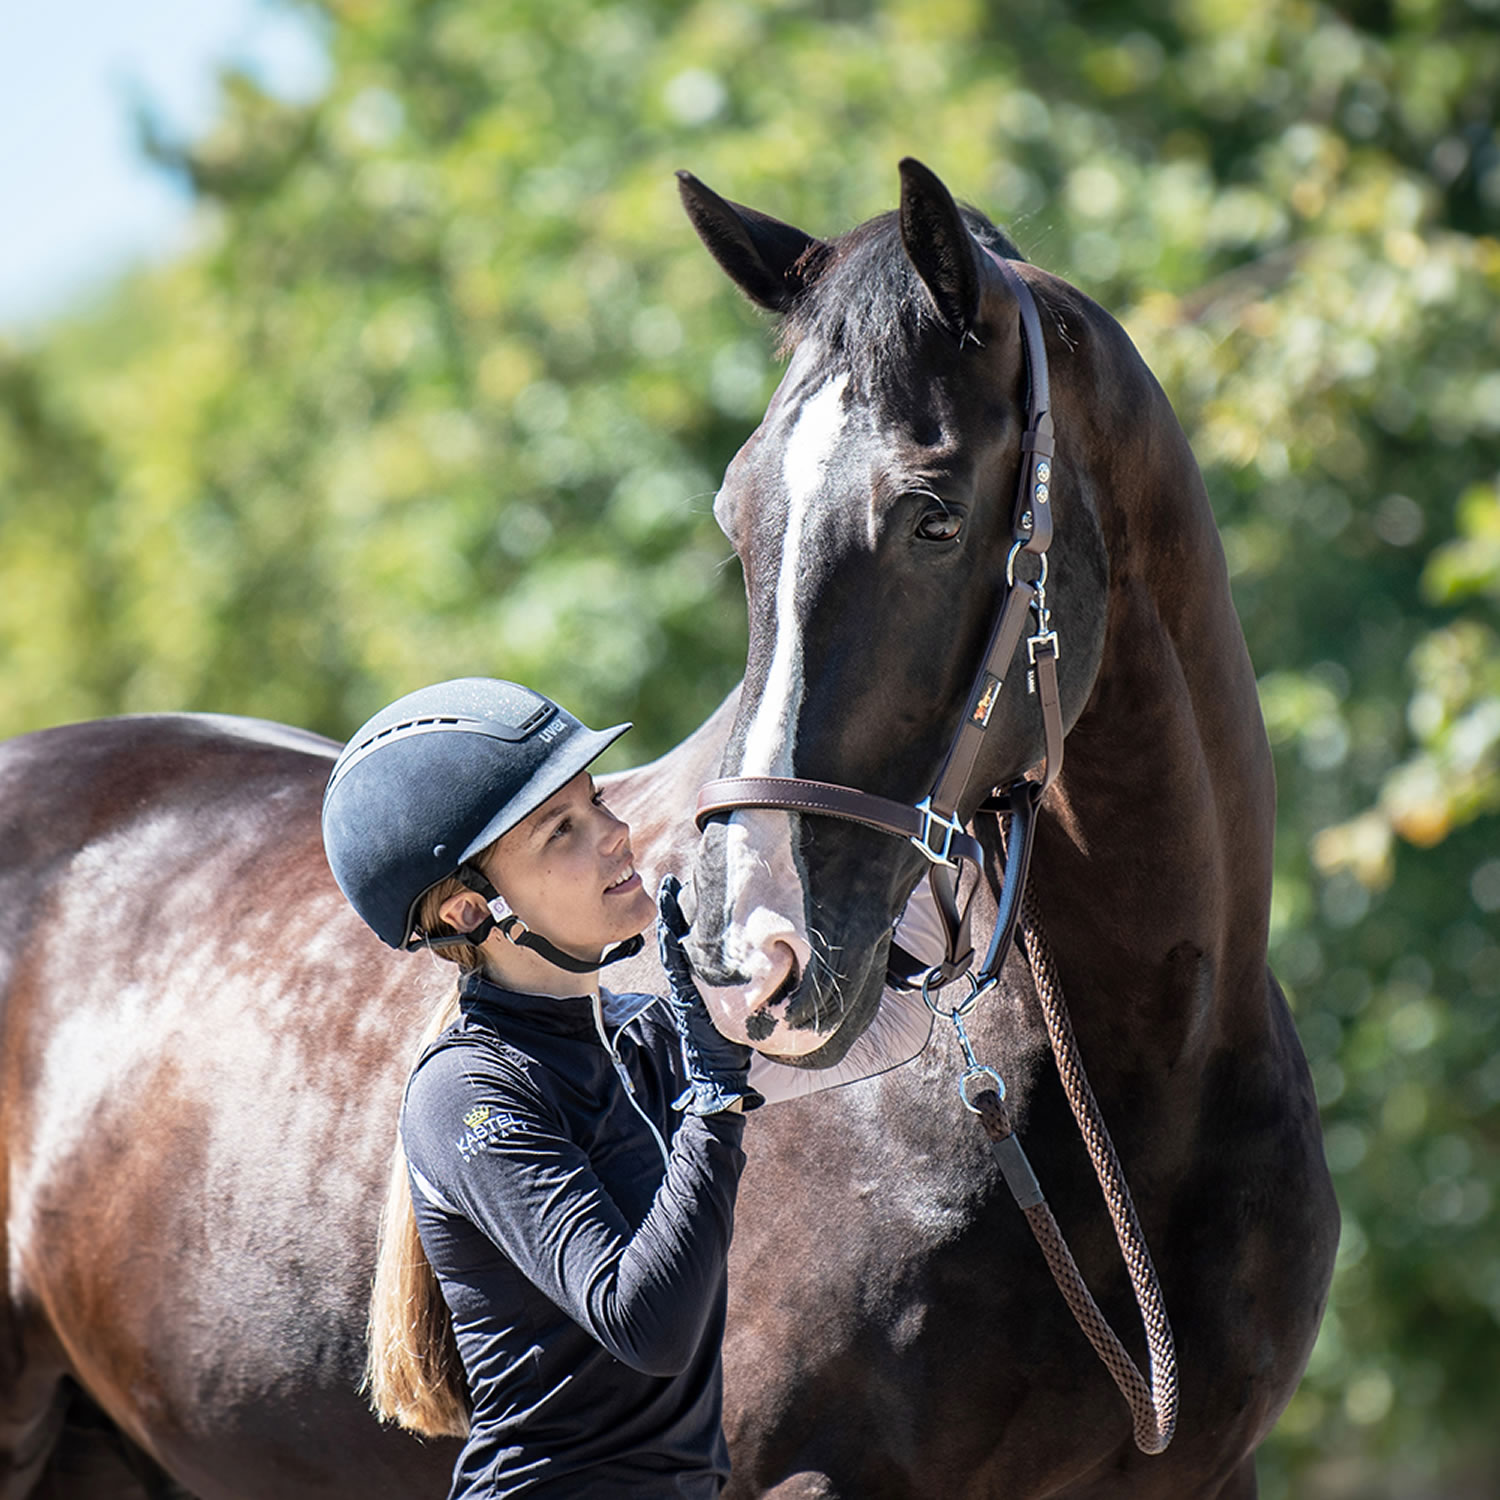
585, 1273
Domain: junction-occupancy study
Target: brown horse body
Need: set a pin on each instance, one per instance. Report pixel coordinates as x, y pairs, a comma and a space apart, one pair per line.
201, 1050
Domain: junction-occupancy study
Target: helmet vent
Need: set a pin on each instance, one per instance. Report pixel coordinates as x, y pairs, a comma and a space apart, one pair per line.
408, 724
543, 712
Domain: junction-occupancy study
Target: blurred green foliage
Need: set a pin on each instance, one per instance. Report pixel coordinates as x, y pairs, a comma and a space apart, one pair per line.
448, 385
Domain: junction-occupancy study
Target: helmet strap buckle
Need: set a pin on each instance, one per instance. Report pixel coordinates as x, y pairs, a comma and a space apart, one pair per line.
517, 932
507, 921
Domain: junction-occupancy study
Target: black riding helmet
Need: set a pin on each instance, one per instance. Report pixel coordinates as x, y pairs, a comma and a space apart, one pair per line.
437, 777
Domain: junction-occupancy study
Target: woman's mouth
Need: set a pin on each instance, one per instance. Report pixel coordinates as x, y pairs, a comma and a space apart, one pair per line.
627, 880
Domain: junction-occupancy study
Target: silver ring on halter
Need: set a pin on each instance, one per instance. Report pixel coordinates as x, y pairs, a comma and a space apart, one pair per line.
975, 1075
952, 1012
1039, 582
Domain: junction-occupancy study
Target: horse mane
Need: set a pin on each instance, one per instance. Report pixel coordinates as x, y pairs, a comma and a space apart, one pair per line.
864, 299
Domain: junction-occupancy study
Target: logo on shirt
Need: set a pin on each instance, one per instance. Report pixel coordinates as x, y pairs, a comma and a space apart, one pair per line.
483, 1125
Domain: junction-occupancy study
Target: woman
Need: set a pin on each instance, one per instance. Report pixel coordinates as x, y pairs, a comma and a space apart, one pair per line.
570, 1158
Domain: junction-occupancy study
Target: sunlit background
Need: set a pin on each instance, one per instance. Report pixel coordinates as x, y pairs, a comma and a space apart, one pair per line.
398, 360
83, 203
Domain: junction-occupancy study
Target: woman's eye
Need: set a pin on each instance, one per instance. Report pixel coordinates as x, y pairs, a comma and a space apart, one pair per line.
940, 526
563, 827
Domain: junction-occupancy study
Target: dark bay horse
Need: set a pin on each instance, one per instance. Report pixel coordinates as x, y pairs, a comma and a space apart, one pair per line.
202, 1049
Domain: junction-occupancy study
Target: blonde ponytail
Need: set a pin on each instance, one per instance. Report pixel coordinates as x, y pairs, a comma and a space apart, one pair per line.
413, 1375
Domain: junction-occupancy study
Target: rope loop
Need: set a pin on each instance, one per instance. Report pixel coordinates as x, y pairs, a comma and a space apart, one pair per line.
1153, 1403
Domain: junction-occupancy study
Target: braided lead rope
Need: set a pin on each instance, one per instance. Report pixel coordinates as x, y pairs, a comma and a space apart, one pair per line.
994, 1116
1154, 1408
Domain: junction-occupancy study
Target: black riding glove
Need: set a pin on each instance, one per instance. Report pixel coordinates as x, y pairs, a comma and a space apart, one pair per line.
717, 1069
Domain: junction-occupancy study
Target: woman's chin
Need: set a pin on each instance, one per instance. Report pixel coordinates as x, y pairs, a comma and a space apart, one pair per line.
634, 914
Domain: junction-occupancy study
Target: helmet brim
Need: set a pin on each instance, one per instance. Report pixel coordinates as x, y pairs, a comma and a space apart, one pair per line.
581, 750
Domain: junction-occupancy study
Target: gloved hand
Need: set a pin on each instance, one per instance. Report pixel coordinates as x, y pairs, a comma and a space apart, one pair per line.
717, 1069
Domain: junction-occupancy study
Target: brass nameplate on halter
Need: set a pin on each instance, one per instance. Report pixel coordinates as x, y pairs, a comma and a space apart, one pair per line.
989, 692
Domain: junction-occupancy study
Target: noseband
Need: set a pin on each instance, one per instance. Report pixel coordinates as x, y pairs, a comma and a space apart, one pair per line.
933, 825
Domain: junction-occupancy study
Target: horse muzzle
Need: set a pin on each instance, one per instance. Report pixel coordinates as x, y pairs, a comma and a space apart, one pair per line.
749, 941
768, 1006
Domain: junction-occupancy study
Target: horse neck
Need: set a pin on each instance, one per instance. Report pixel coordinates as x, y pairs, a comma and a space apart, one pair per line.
1153, 859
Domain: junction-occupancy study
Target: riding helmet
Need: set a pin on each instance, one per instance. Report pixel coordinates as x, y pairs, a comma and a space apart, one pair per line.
435, 778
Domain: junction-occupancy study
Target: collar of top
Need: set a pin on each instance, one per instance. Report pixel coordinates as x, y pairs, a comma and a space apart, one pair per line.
565, 1015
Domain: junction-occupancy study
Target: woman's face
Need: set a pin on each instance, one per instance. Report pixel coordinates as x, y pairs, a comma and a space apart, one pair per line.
569, 873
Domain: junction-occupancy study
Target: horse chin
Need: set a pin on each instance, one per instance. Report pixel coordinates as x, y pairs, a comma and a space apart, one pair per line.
828, 1054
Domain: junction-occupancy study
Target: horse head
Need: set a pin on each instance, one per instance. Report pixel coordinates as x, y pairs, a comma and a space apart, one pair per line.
871, 511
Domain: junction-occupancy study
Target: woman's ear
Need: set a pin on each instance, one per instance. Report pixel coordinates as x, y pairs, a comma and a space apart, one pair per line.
464, 911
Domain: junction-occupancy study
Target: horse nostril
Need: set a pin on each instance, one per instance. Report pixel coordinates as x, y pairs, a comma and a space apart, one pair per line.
785, 965
779, 985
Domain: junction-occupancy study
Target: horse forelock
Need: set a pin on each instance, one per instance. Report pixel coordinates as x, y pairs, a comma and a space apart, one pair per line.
867, 305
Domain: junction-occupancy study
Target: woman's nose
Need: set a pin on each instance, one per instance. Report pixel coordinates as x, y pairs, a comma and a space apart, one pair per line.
616, 832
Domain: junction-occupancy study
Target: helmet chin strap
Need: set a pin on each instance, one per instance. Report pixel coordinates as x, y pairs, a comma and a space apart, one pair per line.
504, 920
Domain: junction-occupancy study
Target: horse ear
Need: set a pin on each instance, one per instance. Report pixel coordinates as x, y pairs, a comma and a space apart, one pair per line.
939, 246
761, 255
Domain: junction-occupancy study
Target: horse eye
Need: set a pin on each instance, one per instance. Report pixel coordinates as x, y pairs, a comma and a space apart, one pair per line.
940, 526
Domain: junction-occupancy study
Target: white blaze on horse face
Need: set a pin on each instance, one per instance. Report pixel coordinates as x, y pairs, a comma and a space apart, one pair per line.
804, 465
765, 935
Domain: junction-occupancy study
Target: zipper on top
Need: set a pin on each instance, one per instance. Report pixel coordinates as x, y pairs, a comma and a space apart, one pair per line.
597, 1009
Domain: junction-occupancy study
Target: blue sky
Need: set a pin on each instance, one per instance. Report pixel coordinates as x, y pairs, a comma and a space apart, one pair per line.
78, 203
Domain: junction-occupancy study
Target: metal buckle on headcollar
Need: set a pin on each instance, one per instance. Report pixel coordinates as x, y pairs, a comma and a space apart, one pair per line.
931, 821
